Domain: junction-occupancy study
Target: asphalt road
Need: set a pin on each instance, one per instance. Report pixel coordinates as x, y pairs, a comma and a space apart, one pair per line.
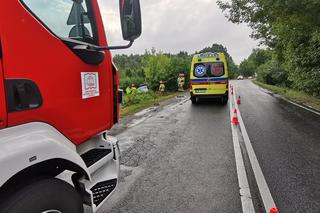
286, 140
179, 157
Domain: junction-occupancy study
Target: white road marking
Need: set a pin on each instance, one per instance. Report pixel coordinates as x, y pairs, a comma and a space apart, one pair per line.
246, 199
310, 109
260, 179
303, 107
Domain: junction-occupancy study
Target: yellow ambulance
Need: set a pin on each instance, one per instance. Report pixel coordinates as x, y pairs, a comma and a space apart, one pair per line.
209, 77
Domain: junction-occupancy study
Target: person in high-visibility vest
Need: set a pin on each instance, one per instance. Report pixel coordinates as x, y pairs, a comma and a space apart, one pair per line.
128, 90
181, 80
162, 87
131, 90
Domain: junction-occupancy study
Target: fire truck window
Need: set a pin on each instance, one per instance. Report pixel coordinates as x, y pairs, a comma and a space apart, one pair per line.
65, 18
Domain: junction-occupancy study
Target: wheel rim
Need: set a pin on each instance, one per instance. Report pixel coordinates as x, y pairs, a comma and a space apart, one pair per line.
52, 211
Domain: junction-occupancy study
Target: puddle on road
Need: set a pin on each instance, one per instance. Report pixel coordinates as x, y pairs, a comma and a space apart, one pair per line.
135, 122
180, 96
145, 111
177, 105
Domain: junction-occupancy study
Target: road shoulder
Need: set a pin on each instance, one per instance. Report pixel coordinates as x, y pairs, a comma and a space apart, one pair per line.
299, 99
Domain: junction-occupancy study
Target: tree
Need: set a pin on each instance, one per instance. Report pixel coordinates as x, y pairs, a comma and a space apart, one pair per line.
156, 68
247, 68
291, 28
260, 56
233, 68
153, 66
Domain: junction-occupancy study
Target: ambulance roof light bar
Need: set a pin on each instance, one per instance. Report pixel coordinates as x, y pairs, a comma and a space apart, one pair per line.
208, 55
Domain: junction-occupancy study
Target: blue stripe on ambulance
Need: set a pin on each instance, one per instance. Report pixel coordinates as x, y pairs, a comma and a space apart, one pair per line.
209, 79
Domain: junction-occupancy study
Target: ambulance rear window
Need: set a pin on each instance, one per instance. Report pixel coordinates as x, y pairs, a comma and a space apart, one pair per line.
217, 69
210, 69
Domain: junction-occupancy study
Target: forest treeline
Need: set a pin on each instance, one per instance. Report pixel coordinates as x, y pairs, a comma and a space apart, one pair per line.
290, 29
154, 66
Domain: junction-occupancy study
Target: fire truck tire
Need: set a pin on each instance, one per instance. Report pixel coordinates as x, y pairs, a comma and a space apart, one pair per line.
44, 196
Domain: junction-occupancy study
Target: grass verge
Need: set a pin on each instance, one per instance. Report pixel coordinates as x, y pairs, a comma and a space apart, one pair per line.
293, 95
130, 110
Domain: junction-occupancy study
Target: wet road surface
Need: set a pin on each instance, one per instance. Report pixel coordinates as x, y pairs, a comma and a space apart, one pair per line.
286, 140
180, 158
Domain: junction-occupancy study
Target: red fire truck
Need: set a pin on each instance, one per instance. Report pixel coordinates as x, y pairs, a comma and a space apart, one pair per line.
58, 96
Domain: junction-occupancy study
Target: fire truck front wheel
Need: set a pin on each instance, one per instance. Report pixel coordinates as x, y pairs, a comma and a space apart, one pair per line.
45, 196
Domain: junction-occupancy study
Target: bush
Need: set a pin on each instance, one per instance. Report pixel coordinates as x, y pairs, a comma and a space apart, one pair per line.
304, 66
273, 73
137, 98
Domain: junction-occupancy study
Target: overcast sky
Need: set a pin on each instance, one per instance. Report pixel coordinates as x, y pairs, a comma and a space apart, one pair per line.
174, 25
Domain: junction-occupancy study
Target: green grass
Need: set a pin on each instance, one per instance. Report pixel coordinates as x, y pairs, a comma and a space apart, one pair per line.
293, 95
130, 110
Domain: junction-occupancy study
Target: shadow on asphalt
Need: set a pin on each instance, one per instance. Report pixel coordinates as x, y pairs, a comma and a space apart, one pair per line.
210, 102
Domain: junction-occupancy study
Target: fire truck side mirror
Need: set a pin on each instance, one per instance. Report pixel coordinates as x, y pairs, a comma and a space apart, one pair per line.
130, 15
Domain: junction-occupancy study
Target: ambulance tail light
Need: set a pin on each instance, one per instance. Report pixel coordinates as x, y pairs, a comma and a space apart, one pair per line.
222, 82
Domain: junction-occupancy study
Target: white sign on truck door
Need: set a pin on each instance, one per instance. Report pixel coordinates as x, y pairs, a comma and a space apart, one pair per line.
90, 84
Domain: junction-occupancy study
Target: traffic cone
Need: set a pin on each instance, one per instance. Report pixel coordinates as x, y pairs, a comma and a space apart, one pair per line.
239, 101
235, 119
274, 210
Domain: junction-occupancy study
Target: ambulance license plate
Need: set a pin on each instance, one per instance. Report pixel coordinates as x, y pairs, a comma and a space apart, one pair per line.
201, 90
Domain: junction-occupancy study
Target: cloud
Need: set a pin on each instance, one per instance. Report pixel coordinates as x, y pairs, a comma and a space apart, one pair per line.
174, 25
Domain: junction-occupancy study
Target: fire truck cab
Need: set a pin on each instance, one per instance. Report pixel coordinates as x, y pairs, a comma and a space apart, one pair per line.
58, 97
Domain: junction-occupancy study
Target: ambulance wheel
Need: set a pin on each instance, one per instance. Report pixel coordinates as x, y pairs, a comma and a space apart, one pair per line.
193, 100
44, 196
224, 100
